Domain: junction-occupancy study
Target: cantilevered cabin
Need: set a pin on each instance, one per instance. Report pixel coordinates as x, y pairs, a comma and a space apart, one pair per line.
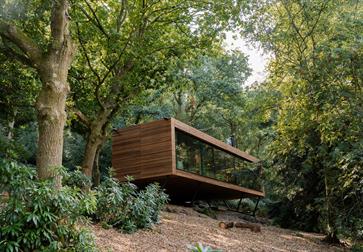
188, 163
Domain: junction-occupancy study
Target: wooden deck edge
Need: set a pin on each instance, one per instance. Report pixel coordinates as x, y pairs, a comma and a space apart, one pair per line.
148, 177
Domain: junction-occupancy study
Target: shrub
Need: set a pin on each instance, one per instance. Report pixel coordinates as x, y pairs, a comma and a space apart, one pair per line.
357, 248
76, 179
200, 248
148, 204
82, 184
22, 147
112, 203
10, 149
248, 205
38, 217
15, 178
120, 205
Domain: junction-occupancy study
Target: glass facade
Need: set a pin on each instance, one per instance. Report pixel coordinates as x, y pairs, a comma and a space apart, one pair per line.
196, 156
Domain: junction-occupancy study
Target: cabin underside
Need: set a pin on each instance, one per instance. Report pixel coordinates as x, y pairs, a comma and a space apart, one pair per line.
190, 187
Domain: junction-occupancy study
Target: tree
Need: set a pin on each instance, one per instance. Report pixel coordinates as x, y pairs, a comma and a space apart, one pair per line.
128, 48
18, 88
249, 118
51, 56
206, 82
315, 68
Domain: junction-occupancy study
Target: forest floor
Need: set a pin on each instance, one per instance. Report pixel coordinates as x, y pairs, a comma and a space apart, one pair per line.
182, 226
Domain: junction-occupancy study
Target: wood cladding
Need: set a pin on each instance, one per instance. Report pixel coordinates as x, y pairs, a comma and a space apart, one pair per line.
147, 152
142, 151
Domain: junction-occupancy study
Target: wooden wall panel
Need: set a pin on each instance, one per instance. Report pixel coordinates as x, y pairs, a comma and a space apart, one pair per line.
156, 149
126, 152
143, 151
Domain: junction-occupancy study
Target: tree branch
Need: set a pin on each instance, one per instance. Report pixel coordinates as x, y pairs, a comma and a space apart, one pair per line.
122, 15
94, 71
82, 117
114, 65
59, 23
294, 26
86, 54
96, 21
22, 41
10, 53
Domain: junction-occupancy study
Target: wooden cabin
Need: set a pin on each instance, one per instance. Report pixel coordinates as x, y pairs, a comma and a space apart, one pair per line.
188, 163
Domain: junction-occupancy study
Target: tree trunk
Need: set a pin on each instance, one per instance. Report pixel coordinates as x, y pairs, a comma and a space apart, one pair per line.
11, 126
51, 101
51, 117
96, 168
330, 213
253, 227
331, 229
96, 137
93, 144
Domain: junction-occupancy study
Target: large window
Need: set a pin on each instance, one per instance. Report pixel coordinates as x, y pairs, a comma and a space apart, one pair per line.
196, 156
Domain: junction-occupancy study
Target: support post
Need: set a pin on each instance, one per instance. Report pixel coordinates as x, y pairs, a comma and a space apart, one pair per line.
195, 194
225, 203
165, 182
254, 210
239, 203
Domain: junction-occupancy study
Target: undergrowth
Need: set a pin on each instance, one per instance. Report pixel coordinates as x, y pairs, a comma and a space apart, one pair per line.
35, 216
121, 206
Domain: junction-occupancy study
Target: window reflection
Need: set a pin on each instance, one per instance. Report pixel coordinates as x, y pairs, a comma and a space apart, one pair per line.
195, 156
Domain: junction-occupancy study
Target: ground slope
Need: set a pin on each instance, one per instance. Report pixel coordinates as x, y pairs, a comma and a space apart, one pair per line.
182, 226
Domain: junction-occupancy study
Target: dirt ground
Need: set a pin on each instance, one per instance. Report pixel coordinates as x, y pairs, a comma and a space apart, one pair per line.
180, 227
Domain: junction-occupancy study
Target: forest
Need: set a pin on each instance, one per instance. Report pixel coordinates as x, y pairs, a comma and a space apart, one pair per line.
73, 71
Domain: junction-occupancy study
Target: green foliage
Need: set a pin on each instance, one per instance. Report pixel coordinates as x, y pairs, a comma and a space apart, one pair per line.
18, 89
206, 82
316, 166
36, 216
81, 183
357, 248
200, 248
121, 206
148, 204
206, 211
10, 149
15, 177
74, 144
113, 205
77, 179
22, 146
